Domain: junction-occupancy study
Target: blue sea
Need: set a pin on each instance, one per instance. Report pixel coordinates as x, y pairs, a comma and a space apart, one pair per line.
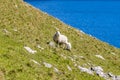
100, 19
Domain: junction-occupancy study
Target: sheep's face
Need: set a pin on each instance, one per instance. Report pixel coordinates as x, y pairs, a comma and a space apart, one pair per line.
57, 33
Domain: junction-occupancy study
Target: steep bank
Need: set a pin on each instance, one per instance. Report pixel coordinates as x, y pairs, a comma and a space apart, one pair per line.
22, 25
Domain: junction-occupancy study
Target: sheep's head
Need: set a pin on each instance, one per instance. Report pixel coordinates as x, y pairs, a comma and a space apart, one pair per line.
58, 33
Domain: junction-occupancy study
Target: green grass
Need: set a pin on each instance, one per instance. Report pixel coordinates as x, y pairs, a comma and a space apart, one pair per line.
30, 27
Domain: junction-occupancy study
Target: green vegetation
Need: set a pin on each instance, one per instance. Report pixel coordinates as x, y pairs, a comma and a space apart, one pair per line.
22, 25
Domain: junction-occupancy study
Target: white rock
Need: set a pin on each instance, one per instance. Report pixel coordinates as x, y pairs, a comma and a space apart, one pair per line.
75, 64
69, 68
15, 29
110, 74
47, 65
5, 31
116, 78
16, 6
38, 46
71, 58
81, 57
53, 22
56, 70
52, 44
100, 72
113, 53
85, 70
30, 50
35, 61
82, 31
63, 56
99, 56
97, 68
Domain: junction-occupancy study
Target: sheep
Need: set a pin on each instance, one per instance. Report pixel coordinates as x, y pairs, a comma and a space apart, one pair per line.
68, 46
61, 39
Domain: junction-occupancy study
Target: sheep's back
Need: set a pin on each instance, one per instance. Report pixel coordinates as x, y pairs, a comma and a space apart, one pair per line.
62, 39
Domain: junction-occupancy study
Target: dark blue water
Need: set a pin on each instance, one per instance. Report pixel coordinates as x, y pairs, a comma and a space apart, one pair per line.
100, 19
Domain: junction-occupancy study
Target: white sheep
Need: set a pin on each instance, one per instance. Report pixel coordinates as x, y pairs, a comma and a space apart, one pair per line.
68, 46
61, 39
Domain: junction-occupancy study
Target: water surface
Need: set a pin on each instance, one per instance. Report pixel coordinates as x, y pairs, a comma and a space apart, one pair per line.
100, 19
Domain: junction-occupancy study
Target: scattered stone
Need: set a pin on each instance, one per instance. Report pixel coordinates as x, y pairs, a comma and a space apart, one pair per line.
100, 72
75, 56
69, 68
98, 68
38, 46
45, 12
16, 6
51, 44
35, 62
116, 78
30, 50
63, 56
57, 29
75, 64
6, 32
99, 56
56, 70
113, 53
81, 57
47, 65
82, 31
53, 22
110, 74
71, 58
15, 29
85, 70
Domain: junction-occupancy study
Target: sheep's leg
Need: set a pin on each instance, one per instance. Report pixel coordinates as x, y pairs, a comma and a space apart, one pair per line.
65, 46
58, 44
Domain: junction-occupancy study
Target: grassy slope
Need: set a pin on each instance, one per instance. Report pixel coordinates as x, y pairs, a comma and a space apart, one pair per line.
35, 27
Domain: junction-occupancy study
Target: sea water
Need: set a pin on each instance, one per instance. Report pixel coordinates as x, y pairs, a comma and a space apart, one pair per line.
100, 19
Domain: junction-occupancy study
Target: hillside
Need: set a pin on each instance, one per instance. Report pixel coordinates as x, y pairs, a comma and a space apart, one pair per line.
21, 25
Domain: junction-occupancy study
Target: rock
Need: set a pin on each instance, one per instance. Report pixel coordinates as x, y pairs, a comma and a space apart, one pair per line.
69, 68
72, 59
30, 50
6, 32
56, 70
85, 70
16, 6
35, 62
63, 56
113, 53
97, 68
82, 31
38, 46
15, 30
100, 72
99, 56
110, 74
116, 78
51, 44
47, 65
75, 64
